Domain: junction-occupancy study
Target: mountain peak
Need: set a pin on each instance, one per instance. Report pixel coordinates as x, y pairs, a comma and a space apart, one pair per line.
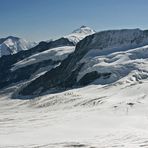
83, 26
84, 29
79, 34
9, 37
12, 37
12, 45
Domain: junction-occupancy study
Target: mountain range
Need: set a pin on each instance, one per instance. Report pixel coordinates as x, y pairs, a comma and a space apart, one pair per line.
23, 63
85, 89
76, 60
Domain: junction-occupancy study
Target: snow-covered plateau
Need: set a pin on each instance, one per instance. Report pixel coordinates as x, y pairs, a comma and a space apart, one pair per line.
110, 112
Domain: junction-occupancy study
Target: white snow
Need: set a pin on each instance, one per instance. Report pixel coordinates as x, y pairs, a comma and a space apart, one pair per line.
55, 54
132, 63
93, 116
79, 34
12, 45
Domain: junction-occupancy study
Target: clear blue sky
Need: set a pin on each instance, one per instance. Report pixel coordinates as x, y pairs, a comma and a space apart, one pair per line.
46, 19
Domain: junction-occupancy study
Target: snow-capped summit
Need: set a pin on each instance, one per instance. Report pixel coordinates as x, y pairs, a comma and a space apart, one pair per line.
79, 34
12, 45
84, 29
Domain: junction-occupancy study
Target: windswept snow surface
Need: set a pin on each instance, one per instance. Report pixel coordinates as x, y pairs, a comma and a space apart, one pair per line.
106, 115
94, 116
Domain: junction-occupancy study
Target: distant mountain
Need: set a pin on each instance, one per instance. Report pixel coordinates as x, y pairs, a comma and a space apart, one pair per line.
79, 34
12, 45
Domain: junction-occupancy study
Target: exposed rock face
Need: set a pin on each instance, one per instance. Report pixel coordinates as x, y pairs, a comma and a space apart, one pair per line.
10, 77
65, 75
92, 76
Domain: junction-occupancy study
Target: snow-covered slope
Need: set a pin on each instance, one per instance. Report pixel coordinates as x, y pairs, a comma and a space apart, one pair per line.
55, 54
12, 45
79, 34
98, 116
132, 65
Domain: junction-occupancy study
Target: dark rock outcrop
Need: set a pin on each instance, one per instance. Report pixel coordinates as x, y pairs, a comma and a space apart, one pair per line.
92, 76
